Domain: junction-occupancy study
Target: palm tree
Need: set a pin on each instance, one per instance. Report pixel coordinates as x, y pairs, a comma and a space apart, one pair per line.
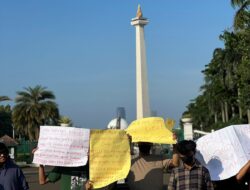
34, 107
242, 16
225, 97
243, 72
5, 117
4, 98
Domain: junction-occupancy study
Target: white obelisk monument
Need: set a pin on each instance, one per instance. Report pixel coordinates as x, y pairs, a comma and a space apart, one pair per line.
142, 98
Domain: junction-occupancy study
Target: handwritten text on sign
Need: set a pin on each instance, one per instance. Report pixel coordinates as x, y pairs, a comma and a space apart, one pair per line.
225, 151
62, 146
109, 156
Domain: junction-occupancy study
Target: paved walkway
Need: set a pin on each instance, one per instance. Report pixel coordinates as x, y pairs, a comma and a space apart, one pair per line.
31, 175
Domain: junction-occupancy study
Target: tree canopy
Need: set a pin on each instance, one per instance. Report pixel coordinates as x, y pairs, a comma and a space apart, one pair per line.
225, 95
34, 107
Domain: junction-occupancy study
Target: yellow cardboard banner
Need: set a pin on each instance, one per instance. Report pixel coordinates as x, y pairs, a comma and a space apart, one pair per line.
109, 157
170, 123
151, 129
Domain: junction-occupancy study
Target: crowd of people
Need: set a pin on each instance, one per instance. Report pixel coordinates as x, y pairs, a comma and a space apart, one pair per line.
146, 172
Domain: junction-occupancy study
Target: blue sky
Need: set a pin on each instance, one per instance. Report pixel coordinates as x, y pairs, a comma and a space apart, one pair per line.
84, 51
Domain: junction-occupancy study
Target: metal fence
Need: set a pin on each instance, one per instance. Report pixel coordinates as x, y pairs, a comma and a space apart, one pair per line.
23, 151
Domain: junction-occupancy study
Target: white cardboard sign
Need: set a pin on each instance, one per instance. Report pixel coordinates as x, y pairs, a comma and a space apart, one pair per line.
224, 152
62, 146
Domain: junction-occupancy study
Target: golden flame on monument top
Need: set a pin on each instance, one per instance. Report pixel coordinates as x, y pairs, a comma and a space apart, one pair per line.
139, 19
139, 12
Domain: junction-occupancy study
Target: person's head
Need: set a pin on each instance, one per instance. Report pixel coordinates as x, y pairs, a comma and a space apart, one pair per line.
4, 153
186, 150
144, 147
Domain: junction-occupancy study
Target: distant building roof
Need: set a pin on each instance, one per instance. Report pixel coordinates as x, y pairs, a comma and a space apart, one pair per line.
8, 141
117, 123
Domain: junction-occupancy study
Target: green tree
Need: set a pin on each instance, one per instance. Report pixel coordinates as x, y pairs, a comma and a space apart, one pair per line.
242, 16
4, 98
34, 107
216, 84
65, 120
242, 27
5, 117
199, 111
244, 70
225, 96
233, 59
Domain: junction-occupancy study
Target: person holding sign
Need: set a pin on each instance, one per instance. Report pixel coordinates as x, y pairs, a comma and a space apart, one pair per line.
66, 148
146, 172
65, 175
244, 174
71, 178
190, 174
89, 186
